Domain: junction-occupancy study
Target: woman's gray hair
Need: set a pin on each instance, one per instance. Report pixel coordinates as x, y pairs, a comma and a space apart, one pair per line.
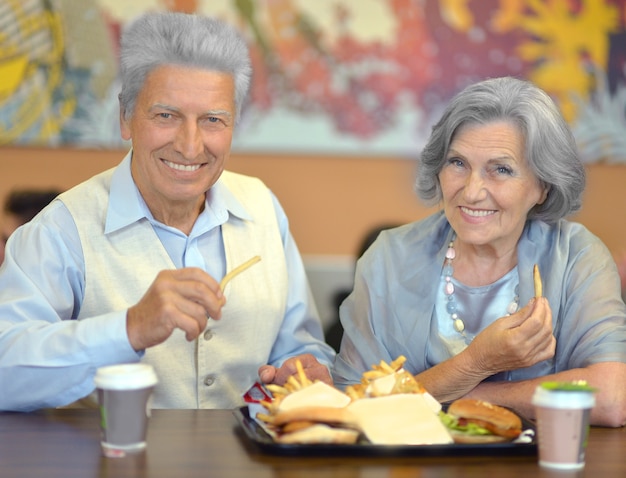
550, 146
171, 38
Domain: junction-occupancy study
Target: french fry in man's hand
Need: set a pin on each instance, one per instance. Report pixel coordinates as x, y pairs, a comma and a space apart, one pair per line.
238, 270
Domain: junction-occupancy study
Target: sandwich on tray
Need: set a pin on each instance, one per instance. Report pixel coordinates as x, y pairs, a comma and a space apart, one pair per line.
477, 421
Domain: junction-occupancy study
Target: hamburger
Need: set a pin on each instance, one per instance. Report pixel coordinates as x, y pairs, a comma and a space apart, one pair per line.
315, 424
477, 421
302, 411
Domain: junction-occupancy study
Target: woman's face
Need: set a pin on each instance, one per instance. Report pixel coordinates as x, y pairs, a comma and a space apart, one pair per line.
487, 185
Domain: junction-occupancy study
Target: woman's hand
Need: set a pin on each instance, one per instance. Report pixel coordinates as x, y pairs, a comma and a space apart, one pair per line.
516, 341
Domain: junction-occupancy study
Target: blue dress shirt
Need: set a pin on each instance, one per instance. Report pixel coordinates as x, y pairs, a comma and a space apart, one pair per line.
49, 359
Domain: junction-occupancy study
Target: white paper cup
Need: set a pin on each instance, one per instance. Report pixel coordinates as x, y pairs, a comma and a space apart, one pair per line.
124, 393
562, 426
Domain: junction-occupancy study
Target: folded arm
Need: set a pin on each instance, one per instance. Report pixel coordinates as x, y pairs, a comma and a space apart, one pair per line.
608, 377
510, 343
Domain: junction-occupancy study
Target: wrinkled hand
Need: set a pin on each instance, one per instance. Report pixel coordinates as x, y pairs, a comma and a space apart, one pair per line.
313, 369
517, 341
177, 299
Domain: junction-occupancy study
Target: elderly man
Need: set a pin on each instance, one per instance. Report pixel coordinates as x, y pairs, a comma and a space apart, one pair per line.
126, 266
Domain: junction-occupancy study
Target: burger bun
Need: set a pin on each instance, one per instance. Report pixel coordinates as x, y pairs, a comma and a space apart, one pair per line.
502, 423
460, 437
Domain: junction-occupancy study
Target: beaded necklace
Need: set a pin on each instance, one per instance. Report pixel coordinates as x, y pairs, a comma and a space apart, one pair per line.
451, 305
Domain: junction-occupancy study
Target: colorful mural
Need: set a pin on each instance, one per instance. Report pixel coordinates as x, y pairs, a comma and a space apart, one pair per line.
331, 76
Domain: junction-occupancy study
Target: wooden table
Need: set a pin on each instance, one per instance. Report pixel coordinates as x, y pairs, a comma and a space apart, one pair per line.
209, 443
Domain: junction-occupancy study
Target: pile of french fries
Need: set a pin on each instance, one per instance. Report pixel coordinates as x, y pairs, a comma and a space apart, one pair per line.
279, 392
330, 422
404, 382
299, 381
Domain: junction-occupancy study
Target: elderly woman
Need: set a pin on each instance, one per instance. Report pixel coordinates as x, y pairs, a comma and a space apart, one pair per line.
454, 292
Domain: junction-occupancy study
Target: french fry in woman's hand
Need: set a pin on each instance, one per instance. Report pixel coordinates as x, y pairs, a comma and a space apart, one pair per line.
537, 281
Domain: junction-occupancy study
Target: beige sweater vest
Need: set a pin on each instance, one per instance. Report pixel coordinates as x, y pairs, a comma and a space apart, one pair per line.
215, 370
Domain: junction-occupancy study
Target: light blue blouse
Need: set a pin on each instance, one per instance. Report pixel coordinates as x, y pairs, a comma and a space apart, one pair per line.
476, 306
394, 308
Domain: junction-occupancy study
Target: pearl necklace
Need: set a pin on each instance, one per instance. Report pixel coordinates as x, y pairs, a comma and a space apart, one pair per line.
451, 305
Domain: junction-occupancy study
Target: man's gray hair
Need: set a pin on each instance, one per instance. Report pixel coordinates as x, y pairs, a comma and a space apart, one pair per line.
195, 41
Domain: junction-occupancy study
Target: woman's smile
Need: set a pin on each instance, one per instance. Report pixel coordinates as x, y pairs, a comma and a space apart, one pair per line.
477, 212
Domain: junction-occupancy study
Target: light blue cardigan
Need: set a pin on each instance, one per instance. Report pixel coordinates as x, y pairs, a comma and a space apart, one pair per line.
391, 310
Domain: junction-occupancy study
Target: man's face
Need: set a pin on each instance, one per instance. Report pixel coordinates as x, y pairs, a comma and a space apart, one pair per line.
181, 132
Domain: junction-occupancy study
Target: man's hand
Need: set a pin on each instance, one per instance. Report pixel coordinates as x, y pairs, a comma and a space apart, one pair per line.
177, 299
313, 369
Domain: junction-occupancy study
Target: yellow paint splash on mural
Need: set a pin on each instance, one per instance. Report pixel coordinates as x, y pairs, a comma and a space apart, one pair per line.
11, 74
457, 14
505, 18
40, 76
568, 45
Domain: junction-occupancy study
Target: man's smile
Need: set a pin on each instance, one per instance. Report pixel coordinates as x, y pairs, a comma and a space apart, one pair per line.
182, 167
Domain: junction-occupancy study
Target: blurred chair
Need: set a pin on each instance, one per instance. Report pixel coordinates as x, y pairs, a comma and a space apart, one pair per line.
334, 333
20, 206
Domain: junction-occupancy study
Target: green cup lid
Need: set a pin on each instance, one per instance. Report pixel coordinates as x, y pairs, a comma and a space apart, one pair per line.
575, 386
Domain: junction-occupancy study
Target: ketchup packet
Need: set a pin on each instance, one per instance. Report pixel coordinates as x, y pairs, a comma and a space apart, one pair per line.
253, 398
257, 394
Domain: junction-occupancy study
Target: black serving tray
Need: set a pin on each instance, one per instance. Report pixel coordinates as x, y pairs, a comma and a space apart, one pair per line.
255, 433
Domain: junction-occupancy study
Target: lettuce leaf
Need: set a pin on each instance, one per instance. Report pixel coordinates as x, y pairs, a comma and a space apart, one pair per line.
453, 424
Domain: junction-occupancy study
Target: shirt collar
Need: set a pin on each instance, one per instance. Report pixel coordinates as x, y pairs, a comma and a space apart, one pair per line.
221, 197
126, 205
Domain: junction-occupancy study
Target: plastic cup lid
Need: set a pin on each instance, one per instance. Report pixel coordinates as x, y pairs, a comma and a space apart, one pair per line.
564, 395
125, 376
